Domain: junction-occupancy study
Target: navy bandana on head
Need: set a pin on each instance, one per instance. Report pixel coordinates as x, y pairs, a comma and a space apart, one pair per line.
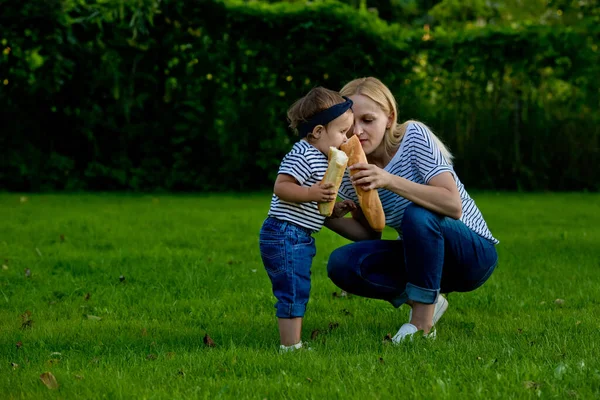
324, 117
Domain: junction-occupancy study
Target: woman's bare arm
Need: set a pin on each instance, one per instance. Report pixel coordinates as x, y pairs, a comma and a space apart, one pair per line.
356, 228
439, 195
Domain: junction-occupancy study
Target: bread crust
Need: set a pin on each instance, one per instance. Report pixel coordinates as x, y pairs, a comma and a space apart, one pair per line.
338, 160
369, 200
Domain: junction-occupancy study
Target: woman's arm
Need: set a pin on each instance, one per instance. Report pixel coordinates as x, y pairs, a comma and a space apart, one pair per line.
356, 228
439, 195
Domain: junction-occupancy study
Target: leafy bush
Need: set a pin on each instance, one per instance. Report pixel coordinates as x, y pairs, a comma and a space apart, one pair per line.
192, 95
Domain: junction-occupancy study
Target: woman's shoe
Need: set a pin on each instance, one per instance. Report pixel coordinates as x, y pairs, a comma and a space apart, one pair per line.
407, 332
440, 308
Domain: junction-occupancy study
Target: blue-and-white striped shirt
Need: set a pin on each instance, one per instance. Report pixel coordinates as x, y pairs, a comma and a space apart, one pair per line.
419, 159
308, 165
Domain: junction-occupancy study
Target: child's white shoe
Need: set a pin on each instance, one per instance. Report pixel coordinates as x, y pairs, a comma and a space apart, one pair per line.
298, 346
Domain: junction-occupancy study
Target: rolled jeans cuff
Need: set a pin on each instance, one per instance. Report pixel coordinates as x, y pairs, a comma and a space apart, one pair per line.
288, 310
421, 295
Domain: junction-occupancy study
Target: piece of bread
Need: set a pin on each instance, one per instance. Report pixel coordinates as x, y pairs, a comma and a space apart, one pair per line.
334, 174
369, 200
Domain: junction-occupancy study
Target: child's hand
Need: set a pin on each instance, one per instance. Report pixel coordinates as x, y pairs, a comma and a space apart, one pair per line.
321, 193
342, 208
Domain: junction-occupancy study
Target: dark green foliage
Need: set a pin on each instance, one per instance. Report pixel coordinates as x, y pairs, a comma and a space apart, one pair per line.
192, 95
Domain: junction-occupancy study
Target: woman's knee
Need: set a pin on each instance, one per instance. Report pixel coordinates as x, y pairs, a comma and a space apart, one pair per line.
417, 217
335, 266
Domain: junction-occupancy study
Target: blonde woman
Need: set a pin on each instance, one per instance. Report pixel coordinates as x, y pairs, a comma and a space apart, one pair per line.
444, 244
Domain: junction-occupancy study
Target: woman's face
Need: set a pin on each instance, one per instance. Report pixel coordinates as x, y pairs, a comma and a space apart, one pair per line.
370, 122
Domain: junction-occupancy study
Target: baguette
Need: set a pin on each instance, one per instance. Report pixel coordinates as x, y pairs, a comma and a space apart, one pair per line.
334, 174
369, 200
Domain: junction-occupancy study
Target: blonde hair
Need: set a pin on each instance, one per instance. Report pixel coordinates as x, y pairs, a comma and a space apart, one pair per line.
315, 101
375, 90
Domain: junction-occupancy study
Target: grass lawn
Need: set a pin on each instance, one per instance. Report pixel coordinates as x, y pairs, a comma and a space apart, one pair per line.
113, 294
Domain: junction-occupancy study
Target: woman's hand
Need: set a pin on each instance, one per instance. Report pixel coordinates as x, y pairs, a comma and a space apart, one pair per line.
369, 176
342, 208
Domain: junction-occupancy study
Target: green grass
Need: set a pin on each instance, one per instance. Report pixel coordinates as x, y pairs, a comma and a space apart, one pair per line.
191, 266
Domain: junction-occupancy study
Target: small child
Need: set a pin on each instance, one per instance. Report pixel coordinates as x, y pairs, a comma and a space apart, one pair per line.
322, 119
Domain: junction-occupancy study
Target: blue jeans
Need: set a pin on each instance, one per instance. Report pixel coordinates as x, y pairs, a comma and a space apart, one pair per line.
437, 254
287, 251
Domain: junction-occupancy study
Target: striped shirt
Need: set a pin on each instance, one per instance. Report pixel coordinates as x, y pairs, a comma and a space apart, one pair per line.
419, 159
307, 165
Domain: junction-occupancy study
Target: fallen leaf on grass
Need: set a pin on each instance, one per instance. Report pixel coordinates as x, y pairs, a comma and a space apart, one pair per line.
78, 377
343, 293
170, 355
531, 385
62, 238
93, 317
314, 334
26, 321
560, 370
144, 332
208, 341
309, 380
559, 301
151, 357
19, 344
49, 380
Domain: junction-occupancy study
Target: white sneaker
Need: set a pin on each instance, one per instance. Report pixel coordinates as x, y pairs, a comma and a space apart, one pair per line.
285, 349
407, 332
295, 347
440, 308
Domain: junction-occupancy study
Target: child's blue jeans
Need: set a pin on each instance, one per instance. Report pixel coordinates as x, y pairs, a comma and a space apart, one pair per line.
437, 254
287, 251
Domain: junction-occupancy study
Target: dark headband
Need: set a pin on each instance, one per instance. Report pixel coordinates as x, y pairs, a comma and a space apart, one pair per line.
324, 117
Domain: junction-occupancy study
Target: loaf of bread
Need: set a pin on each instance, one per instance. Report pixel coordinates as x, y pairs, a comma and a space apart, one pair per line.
369, 200
334, 174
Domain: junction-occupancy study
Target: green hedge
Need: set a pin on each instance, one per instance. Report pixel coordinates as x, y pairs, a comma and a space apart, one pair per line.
192, 95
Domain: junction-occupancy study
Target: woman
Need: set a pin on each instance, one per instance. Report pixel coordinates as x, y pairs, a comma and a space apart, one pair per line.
445, 245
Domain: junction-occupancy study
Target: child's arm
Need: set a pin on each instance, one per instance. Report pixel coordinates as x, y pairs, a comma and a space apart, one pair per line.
288, 189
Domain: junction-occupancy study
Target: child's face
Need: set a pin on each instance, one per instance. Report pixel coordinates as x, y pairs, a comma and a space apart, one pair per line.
336, 132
